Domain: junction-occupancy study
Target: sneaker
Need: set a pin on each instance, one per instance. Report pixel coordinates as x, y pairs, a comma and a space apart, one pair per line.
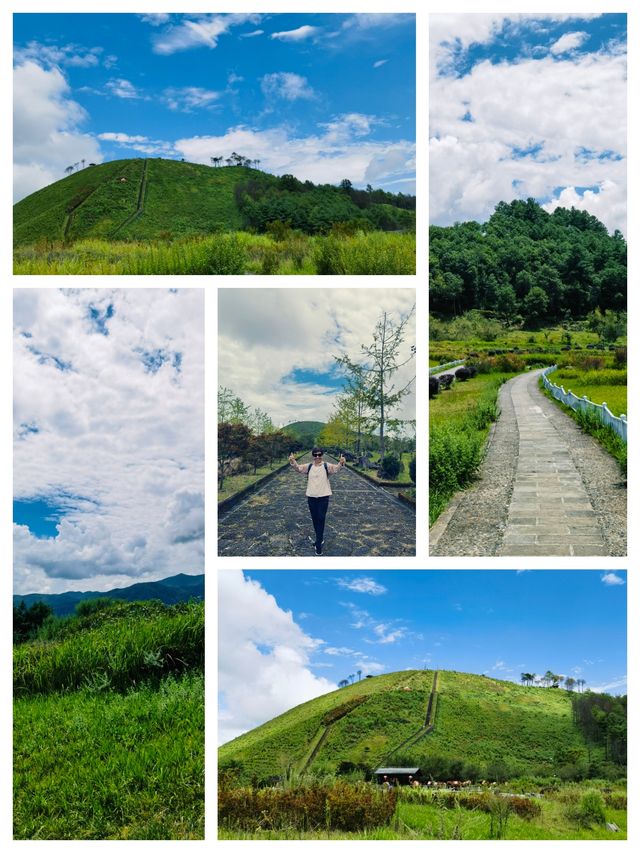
319, 551
312, 539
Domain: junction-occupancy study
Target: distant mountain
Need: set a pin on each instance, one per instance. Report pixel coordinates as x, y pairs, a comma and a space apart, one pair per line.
162, 199
168, 590
306, 432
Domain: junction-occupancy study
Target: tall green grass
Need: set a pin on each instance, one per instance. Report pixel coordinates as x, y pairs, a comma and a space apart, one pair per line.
117, 654
457, 436
111, 766
377, 253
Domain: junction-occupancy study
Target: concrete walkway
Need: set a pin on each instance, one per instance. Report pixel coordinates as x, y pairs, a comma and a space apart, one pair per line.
550, 511
545, 488
363, 521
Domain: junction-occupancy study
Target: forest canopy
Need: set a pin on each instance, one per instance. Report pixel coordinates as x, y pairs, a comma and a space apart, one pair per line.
525, 264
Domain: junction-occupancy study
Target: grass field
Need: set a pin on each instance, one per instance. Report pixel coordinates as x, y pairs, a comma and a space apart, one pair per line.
421, 815
235, 483
459, 422
109, 725
600, 386
240, 253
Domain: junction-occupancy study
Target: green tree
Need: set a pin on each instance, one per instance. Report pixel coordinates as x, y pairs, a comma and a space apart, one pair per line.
233, 441
534, 306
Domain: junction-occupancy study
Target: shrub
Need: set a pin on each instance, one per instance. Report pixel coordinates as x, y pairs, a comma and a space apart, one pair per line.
591, 809
620, 357
510, 363
221, 255
412, 469
462, 374
342, 806
434, 386
93, 605
446, 381
390, 467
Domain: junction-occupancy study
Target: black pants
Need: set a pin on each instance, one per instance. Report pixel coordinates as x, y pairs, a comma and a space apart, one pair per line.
318, 508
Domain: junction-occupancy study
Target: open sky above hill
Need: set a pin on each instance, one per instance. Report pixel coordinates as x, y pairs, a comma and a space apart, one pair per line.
276, 346
288, 636
108, 437
97, 87
527, 105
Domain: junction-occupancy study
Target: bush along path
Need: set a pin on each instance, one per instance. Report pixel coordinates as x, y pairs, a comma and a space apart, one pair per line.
363, 520
545, 488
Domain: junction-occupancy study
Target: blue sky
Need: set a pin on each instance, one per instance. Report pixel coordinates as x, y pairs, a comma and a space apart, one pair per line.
308, 630
108, 437
276, 347
323, 96
527, 105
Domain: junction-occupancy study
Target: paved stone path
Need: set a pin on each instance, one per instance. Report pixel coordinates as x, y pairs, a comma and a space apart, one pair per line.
363, 521
545, 489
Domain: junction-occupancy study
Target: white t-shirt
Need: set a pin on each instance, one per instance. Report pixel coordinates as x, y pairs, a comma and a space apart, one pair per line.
318, 482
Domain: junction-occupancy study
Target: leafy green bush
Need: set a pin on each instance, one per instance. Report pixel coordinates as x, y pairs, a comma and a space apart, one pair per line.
412, 469
390, 467
591, 809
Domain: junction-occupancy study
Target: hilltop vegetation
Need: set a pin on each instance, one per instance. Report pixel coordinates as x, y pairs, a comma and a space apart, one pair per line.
526, 265
110, 702
158, 216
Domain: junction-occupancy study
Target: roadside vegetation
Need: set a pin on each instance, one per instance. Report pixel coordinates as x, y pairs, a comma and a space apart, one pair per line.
109, 721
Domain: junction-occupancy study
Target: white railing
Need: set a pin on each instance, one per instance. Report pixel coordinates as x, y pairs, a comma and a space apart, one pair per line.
618, 425
446, 366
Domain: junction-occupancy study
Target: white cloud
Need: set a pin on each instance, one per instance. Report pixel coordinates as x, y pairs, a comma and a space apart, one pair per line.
156, 19
380, 63
123, 89
72, 55
568, 42
119, 433
367, 585
299, 34
617, 686
265, 334
201, 31
386, 634
252, 35
612, 579
286, 85
122, 137
580, 107
188, 98
263, 657
338, 150
46, 134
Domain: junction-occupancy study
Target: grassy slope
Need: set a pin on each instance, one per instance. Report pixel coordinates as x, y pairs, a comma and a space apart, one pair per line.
109, 726
181, 199
477, 719
42, 214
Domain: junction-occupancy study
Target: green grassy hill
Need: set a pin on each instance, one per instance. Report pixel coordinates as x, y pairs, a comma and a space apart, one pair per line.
157, 199
306, 432
478, 721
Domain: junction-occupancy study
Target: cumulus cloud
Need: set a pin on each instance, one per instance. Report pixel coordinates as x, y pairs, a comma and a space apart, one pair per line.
488, 145
299, 34
123, 89
286, 85
612, 579
339, 149
266, 334
115, 426
188, 98
72, 55
46, 128
263, 657
199, 31
368, 585
568, 42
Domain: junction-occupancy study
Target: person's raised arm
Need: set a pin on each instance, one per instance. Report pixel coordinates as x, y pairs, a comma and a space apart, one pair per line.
301, 469
333, 469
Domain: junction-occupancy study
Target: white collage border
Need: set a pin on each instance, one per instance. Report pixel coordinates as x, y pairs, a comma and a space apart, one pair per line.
214, 563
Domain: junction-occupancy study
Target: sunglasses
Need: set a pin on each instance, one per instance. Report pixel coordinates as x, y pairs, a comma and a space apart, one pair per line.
316, 454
